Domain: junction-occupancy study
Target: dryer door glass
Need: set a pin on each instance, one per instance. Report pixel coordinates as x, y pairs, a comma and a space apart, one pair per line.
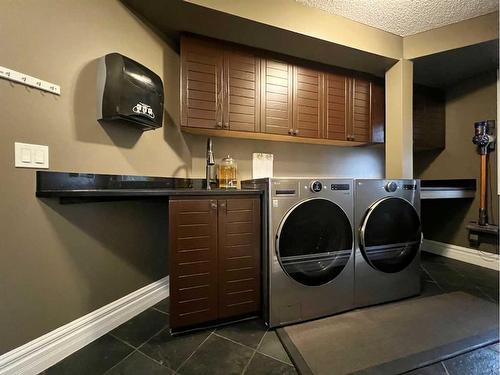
390, 235
314, 242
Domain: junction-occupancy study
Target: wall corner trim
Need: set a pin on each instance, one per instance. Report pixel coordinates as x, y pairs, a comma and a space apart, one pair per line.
45, 351
464, 254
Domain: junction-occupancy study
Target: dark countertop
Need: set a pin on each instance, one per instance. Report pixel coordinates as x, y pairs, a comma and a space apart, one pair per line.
448, 189
463, 183
140, 192
74, 187
103, 186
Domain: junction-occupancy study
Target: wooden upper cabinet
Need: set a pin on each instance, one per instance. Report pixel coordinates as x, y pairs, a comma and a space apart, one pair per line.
349, 109
193, 262
237, 91
428, 118
277, 96
336, 106
201, 83
378, 112
242, 91
307, 103
359, 128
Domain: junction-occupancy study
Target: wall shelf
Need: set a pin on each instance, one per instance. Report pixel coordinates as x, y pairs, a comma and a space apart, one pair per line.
448, 189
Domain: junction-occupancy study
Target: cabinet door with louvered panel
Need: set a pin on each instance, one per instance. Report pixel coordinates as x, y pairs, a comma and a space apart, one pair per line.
239, 257
193, 262
242, 80
361, 111
277, 94
336, 113
201, 83
307, 103
378, 112
428, 118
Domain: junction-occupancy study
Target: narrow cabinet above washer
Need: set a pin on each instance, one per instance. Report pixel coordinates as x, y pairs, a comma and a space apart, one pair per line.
277, 96
336, 106
307, 102
359, 126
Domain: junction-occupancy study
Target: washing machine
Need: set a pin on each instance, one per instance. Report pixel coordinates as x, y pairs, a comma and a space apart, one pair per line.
309, 260
388, 237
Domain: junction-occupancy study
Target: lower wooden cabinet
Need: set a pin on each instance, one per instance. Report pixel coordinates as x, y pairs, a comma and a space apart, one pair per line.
215, 259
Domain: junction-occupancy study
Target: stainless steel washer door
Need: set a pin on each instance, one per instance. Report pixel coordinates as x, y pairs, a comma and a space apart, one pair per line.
390, 235
314, 242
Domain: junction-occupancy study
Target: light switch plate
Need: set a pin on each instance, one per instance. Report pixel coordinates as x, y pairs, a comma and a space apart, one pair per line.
31, 156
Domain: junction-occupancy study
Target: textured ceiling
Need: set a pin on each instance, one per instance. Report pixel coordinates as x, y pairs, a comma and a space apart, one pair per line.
405, 17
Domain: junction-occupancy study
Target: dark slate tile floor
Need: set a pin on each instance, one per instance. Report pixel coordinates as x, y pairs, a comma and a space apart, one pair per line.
143, 345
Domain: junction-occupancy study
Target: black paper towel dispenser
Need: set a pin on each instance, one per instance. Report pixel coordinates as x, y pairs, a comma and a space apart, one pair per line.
128, 91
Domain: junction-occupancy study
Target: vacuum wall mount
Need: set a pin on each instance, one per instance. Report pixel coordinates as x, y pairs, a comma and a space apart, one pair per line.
484, 138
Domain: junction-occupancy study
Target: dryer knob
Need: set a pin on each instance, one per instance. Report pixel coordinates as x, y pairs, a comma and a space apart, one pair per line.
316, 186
391, 187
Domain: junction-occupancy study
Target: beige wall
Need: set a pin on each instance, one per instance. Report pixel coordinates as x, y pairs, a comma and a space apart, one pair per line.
457, 35
59, 262
293, 160
399, 120
445, 220
296, 17
293, 16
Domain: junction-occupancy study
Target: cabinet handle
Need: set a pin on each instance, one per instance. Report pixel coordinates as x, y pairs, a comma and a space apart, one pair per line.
222, 204
296, 132
213, 205
290, 132
226, 125
219, 124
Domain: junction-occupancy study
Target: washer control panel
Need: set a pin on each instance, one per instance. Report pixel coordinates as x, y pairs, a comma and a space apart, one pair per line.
316, 186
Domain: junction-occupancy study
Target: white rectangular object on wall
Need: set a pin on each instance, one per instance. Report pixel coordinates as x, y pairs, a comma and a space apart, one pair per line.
262, 165
27, 80
31, 156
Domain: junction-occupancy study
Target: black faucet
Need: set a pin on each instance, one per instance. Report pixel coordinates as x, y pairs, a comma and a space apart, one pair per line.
210, 163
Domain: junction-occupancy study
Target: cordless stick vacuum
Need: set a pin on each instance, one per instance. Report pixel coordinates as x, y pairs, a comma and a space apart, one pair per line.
484, 138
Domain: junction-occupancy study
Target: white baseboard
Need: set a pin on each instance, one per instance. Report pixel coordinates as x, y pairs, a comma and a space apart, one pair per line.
464, 254
45, 351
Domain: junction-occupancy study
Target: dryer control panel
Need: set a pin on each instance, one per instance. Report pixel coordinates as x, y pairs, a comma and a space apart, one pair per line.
291, 188
317, 186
